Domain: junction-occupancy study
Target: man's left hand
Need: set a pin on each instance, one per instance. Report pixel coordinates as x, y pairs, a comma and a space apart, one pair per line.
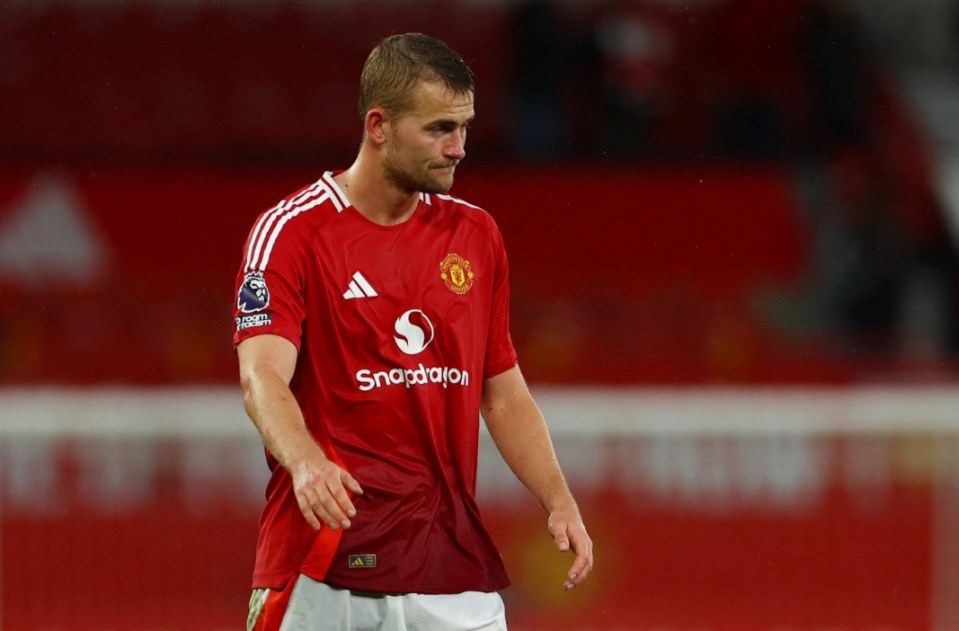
569, 533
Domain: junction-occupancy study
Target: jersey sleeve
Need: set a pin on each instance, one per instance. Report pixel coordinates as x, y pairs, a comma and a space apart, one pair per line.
270, 284
500, 353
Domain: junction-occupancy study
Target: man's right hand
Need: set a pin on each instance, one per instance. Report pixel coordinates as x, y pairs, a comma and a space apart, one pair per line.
322, 490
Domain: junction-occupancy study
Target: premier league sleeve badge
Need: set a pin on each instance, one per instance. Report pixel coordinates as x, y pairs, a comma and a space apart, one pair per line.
253, 295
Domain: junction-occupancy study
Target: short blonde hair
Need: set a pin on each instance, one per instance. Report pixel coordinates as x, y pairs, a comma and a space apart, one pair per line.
399, 62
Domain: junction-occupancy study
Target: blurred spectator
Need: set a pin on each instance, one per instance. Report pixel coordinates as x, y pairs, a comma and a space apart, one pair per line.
542, 58
638, 50
837, 70
754, 90
877, 262
749, 127
890, 290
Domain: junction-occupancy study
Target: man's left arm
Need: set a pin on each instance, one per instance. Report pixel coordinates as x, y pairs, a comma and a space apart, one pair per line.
519, 430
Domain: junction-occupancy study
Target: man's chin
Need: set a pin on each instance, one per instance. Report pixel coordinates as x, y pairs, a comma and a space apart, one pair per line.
439, 184
430, 182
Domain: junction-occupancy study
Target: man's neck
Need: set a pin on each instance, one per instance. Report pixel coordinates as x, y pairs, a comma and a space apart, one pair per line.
373, 196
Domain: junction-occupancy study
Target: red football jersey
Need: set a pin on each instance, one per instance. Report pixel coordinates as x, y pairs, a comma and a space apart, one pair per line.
397, 327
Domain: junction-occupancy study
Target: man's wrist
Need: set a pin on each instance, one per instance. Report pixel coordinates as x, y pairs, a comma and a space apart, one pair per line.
305, 454
564, 504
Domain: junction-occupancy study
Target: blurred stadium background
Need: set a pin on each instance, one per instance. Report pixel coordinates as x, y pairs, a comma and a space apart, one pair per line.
732, 227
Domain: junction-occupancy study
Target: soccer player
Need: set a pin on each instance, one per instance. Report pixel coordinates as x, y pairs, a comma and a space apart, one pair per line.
372, 331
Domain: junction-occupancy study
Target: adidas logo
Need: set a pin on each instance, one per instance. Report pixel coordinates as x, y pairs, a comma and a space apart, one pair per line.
362, 560
359, 288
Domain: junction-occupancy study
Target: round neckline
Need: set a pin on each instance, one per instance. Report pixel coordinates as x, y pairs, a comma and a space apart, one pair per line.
348, 205
414, 216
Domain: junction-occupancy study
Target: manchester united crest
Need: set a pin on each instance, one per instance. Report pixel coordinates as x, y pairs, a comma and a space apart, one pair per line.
457, 273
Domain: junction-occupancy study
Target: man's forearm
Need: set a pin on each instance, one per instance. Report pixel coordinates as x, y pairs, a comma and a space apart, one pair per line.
519, 430
276, 414
321, 487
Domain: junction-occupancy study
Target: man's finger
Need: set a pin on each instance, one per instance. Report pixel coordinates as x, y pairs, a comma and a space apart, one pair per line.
321, 509
341, 507
307, 511
323, 504
351, 484
580, 569
582, 565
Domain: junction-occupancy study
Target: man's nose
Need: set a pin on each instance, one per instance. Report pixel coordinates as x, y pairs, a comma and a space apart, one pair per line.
456, 146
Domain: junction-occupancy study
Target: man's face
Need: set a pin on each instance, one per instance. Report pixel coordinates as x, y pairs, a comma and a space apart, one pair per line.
425, 144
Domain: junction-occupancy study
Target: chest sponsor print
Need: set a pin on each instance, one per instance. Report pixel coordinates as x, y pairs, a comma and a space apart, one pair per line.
414, 333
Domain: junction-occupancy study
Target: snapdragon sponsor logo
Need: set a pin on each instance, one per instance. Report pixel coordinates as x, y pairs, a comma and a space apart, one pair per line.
414, 332
409, 377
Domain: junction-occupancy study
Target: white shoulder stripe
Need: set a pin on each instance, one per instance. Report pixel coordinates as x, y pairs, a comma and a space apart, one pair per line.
268, 218
259, 233
450, 198
270, 224
339, 197
268, 250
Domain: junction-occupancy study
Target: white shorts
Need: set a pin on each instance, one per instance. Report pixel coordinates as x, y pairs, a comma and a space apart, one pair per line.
315, 606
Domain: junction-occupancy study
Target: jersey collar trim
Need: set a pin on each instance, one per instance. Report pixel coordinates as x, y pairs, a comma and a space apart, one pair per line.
341, 198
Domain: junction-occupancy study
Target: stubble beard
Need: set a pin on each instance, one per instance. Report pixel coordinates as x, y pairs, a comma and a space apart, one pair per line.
411, 181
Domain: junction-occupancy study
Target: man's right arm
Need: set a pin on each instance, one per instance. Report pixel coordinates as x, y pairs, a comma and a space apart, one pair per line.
321, 487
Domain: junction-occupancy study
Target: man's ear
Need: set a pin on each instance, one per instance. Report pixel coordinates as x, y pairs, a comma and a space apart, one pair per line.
375, 124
